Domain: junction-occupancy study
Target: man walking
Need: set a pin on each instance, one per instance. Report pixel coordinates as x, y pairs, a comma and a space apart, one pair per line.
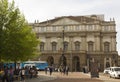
66, 70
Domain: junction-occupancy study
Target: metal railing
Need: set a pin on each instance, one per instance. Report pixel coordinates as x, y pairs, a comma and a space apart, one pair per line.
101, 52
66, 51
79, 51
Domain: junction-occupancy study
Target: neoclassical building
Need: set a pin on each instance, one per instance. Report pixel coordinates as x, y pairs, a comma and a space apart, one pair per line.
82, 39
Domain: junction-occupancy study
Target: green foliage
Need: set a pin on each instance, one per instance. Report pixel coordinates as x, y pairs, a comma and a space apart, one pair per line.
18, 41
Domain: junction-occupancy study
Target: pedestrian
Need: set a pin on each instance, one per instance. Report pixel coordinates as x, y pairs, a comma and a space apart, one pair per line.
27, 72
83, 69
46, 70
22, 72
50, 69
5, 76
17, 73
31, 73
11, 73
35, 71
60, 69
67, 70
1, 74
64, 70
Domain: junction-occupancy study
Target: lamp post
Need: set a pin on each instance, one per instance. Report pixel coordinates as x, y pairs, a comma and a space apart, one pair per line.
71, 55
63, 41
62, 58
88, 61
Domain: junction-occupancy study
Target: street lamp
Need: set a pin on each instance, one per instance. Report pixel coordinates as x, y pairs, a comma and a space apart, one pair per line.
71, 55
62, 58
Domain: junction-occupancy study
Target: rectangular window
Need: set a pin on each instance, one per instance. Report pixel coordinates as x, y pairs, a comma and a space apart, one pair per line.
106, 28
106, 47
65, 46
39, 29
77, 47
53, 47
77, 28
65, 28
54, 28
36, 29
89, 27
70, 28
90, 48
83, 27
47, 28
42, 29
41, 47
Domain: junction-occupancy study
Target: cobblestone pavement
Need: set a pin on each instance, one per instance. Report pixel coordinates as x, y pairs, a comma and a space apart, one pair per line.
72, 77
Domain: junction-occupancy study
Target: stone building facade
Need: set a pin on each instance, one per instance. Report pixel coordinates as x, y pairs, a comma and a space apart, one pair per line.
119, 60
82, 39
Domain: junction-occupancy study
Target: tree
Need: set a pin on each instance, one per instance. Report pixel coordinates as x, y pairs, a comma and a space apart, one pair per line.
3, 21
19, 42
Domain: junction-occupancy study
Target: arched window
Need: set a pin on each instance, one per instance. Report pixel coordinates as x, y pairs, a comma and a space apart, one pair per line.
77, 45
106, 46
54, 46
42, 46
90, 46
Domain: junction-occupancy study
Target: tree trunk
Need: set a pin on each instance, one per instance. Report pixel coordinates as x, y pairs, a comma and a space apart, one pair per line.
15, 65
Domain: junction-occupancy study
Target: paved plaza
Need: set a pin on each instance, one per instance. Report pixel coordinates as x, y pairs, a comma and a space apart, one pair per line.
72, 77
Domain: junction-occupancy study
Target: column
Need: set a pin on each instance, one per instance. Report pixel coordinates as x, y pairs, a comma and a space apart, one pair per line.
71, 54
113, 43
47, 44
83, 43
97, 43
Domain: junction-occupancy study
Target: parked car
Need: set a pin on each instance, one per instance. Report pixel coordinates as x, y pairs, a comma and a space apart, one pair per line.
114, 72
106, 70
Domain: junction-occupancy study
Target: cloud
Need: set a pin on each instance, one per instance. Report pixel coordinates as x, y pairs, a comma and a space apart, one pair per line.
49, 8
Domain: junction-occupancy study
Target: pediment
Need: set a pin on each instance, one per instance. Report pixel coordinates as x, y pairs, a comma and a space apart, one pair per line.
65, 21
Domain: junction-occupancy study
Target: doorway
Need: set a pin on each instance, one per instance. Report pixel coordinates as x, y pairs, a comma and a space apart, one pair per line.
50, 60
76, 63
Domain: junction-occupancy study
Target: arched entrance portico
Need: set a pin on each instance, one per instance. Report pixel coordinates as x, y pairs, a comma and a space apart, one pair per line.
76, 63
50, 60
62, 60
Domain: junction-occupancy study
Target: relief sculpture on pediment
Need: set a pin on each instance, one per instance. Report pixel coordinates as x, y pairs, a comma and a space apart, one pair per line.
65, 21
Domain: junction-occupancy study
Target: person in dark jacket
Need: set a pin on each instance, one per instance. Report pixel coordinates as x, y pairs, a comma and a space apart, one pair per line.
51, 70
5, 76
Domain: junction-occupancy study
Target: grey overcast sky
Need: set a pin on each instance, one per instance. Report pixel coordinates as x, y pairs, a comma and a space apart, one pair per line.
48, 9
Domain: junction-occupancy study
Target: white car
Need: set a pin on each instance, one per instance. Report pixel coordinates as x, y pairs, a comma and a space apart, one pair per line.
114, 72
106, 70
